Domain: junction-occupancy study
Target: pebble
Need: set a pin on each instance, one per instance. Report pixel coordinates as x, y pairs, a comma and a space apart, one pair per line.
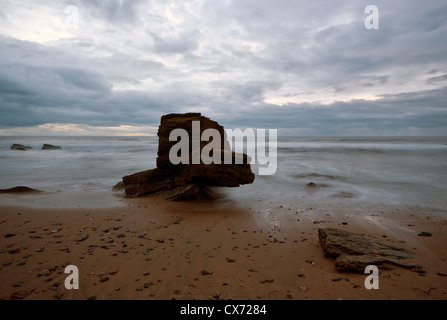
14, 251
205, 273
337, 279
104, 279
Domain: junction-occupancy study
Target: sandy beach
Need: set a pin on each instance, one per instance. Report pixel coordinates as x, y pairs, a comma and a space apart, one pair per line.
149, 248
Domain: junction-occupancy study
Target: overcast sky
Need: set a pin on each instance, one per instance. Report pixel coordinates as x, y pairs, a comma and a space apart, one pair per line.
304, 67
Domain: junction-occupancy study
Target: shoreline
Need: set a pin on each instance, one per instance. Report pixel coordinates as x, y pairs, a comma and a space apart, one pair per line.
149, 248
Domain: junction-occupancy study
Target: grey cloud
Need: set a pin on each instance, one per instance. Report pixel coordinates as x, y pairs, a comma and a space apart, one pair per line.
225, 57
115, 11
437, 79
182, 43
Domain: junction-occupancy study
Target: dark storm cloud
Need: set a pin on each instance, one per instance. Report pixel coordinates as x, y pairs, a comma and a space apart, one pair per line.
305, 67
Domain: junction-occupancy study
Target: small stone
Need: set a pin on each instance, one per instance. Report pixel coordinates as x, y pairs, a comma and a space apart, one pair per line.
104, 279
206, 273
425, 234
303, 289
91, 298
337, 279
59, 296
266, 281
139, 289
10, 235
14, 251
16, 285
83, 238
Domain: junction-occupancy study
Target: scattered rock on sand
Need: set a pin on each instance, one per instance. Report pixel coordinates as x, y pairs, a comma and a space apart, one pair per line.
353, 252
424, 234
205, 273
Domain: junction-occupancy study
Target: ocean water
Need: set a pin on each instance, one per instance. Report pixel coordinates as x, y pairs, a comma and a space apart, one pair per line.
398, 171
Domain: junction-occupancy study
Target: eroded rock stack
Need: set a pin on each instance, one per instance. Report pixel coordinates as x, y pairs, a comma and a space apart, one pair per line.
192, 178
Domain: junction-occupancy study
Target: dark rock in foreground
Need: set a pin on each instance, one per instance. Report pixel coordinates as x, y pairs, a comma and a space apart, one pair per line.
149, 181
50, 147
192, 192
19, 189
353, 252
19, 147
196, 177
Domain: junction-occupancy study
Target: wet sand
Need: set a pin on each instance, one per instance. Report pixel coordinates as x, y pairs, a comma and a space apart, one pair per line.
148, 248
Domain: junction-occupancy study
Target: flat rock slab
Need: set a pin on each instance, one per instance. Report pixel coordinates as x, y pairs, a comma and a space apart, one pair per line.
353, 252
19, 189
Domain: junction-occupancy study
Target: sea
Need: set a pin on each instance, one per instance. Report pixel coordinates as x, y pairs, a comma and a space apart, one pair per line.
402, 171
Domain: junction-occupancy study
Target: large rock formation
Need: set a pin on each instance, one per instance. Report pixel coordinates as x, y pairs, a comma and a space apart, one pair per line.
192, 179
353, 252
